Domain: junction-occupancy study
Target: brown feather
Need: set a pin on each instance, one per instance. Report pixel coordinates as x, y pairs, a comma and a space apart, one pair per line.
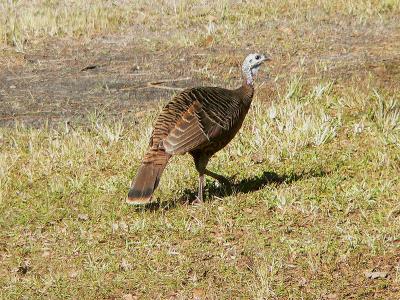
147, 178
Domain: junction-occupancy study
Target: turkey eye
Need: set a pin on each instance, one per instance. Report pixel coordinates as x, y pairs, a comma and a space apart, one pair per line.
258, 57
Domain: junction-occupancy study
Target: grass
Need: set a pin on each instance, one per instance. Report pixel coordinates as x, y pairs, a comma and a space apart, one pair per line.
315, 167
184, 22
315, 204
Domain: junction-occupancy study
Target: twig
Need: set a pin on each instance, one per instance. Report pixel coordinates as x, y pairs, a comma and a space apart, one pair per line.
164, 87
90, 67
156, 84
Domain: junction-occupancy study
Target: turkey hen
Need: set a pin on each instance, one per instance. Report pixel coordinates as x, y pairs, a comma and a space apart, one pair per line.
199, 121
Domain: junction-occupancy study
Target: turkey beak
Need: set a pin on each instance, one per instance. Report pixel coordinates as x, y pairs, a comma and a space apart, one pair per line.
267, 58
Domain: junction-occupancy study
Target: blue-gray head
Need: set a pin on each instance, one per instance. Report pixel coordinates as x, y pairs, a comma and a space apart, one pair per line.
251, 65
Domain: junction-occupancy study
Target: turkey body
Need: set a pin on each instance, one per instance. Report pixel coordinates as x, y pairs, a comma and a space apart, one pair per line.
199, 121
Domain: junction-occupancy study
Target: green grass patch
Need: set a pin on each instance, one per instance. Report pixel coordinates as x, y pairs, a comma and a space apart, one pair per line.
314, 205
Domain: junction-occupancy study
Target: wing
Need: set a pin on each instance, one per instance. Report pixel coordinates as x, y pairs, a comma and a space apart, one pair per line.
191, 130
194, 117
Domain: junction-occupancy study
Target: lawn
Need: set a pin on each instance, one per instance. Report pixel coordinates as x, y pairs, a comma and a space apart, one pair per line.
314, 210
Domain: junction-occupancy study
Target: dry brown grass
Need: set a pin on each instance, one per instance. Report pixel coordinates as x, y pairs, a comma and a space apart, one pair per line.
182, 22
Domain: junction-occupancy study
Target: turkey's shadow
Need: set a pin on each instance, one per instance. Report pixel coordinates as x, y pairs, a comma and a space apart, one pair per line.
246, 185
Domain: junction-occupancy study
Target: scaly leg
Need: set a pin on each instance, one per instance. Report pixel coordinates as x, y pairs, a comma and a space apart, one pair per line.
200, 162
201, 188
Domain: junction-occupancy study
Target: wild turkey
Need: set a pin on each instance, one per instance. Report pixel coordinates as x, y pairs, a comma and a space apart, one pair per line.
199, 121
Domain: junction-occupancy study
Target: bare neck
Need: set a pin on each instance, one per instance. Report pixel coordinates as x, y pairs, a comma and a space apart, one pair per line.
247, 76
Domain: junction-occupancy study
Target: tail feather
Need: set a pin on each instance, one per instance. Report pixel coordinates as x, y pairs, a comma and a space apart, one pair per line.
146, 181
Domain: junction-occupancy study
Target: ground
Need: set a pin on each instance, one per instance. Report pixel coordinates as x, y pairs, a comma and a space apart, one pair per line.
313, 212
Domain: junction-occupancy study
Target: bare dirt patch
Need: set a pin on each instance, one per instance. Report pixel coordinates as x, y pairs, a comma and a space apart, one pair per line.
66, 79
